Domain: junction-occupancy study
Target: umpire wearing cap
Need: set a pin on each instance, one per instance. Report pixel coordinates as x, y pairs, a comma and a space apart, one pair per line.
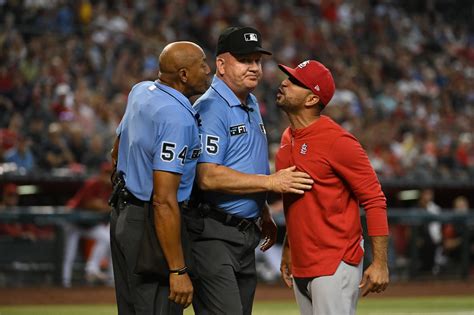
157, 149
231, 214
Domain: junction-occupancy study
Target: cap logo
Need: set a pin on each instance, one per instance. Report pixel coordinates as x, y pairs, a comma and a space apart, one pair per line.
317, 88
303, 64
250, 37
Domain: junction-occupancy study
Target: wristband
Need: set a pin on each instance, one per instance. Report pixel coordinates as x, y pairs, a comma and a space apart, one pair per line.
180, 271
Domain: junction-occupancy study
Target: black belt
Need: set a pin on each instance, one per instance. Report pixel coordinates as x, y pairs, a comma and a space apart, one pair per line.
228, 219
128, 197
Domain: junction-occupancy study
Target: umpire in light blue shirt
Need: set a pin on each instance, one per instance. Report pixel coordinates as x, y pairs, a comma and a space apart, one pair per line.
229, 214
156, 150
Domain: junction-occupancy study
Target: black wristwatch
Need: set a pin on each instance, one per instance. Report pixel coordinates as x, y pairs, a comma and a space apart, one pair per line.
180, 271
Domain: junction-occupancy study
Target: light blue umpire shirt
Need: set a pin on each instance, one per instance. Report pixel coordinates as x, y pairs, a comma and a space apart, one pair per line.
233, 137
159, 131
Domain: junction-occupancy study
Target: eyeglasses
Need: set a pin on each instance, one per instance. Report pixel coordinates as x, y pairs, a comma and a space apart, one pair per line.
298, 83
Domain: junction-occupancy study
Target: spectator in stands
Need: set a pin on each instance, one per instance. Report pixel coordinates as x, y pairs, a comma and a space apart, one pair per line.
92, 196
10, 199
77, 144
79, 67
453, 233
430, 236
21, 155
6, 107
57, 153
36, 131
9, 136
96, 153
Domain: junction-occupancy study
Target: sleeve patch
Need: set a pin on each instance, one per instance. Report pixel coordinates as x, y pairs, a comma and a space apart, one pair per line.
238, 130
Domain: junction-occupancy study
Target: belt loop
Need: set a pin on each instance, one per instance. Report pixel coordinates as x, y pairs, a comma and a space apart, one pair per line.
228, 217
244, 225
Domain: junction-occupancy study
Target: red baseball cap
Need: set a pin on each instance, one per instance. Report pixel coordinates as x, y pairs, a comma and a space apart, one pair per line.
315, 76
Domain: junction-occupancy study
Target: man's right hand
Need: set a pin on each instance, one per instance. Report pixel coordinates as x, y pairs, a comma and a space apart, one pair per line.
289, 180
181, 289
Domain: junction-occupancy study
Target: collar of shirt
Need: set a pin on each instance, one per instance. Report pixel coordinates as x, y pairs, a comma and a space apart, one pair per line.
228, 95
183, 100
312, 128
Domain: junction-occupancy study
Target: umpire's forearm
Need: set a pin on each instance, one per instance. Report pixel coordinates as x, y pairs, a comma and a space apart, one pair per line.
215, 177
168, 230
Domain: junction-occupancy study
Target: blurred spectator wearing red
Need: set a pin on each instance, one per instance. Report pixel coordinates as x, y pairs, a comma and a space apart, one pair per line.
29, 231
93, 196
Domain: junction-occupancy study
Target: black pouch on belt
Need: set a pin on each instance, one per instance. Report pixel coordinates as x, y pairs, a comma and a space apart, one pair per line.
151, 261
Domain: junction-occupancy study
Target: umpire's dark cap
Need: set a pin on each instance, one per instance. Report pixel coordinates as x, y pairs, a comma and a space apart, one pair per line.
240, 41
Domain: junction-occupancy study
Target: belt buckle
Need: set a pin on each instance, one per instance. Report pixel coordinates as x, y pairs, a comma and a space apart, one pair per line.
244, 224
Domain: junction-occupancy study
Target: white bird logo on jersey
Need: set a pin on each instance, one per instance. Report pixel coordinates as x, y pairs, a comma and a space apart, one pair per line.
304, 148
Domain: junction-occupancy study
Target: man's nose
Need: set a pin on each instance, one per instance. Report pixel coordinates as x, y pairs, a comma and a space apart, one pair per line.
254, 65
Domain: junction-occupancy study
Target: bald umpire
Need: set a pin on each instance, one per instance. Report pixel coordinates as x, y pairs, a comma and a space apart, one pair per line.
157, 150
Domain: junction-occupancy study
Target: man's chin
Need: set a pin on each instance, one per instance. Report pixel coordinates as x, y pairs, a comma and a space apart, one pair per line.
251, 84
279, 104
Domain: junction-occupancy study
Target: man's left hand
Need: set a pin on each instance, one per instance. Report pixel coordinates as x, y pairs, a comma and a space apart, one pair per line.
375, 279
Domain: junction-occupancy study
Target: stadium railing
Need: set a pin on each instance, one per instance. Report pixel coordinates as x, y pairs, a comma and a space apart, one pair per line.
52, 251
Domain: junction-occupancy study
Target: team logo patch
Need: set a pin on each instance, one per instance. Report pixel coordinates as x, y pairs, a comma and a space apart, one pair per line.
262, 127
303, 64
237, 130
250, 37
304, 148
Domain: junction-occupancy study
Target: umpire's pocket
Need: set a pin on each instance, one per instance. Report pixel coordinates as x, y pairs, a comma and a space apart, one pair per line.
194, 225
129, 227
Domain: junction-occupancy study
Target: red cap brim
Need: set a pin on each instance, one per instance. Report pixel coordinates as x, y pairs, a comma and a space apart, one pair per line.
292, 73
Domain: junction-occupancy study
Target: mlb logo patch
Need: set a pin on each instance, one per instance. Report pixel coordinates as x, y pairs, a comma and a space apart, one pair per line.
250, 37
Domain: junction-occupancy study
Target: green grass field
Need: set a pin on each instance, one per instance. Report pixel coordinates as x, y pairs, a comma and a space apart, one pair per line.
388, 306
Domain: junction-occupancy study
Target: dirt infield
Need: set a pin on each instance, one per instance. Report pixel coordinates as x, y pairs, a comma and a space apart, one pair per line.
104, 295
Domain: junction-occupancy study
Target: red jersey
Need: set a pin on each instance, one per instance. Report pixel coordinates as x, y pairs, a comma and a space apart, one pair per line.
323, 225
92, 189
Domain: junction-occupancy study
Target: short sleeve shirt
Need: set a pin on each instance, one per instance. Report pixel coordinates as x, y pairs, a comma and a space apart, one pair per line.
233, 136
158, 133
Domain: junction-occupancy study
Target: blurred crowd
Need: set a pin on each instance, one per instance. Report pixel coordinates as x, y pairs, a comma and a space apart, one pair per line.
404, 74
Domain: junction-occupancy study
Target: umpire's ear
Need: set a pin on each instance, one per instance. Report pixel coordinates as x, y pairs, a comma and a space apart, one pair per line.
220, 62
183, 74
